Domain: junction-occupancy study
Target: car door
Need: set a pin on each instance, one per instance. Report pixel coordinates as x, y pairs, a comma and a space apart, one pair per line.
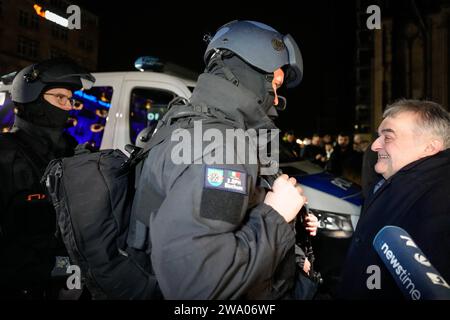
142, 103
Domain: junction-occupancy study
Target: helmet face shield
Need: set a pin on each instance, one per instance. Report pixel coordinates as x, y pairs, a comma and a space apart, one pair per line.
67, 72
294, 72
75, 80
32, 80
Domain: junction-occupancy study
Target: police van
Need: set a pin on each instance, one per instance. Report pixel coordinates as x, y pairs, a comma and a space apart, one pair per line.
113, 112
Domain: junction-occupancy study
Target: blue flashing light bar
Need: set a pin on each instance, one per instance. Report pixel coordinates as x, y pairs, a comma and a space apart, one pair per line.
104, 104
91, 98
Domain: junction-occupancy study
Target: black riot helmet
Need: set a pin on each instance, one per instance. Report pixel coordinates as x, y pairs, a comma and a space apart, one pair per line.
29, 83
261, 46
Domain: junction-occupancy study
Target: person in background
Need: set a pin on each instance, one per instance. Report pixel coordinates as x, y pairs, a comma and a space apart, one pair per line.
290, 142
314, 151
329, 149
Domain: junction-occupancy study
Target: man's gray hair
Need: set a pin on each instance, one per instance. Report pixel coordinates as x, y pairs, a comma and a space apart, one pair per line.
432, 117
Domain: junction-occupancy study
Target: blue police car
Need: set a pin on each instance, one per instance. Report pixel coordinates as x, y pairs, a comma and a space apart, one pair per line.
334, 200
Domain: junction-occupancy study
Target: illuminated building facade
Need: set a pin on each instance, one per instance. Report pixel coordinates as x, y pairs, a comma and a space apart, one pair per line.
27, 35
407, 58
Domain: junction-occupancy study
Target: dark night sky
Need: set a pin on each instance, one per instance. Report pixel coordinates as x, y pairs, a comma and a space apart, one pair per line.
324, 30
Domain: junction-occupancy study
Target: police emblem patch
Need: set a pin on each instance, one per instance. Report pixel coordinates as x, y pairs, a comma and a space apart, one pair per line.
226, 180
215, 177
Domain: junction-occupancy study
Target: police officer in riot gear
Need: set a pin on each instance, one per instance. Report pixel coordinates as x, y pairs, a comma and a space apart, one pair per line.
43, 95
208, 239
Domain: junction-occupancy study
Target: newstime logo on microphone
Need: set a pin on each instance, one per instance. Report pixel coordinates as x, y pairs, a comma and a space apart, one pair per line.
401, 272
413, 273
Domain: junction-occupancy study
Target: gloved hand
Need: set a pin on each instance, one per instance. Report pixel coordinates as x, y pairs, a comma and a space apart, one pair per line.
286, 197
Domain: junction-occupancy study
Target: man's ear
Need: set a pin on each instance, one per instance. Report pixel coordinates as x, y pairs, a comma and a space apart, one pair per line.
434, 146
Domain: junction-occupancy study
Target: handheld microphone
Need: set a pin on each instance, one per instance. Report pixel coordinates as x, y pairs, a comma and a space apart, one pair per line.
411, 270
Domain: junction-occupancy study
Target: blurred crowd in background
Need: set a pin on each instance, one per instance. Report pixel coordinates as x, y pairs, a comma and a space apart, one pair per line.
341, 155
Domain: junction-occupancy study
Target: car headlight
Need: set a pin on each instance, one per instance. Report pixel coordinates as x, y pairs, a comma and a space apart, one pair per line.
334, 224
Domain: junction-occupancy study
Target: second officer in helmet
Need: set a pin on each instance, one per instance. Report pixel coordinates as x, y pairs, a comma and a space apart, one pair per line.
43, 96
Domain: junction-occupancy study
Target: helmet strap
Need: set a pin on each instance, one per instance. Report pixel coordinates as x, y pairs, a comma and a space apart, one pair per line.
217, 61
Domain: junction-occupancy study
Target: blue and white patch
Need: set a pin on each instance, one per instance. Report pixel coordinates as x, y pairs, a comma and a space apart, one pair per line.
226, 180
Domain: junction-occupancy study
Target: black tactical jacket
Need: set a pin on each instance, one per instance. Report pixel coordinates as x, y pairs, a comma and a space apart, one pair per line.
27, 219
205, 226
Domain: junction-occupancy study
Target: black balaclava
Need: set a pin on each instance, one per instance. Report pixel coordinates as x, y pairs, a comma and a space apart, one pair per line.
254, 80
42, 113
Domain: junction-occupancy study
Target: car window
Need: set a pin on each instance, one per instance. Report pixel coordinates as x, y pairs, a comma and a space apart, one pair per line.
6, 112
147, 106
88, 118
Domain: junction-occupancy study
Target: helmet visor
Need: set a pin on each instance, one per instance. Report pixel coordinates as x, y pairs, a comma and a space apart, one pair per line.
294, 72
66, 73
83, 80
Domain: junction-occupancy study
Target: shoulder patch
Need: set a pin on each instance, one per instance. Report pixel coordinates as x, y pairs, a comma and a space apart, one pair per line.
225, 179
